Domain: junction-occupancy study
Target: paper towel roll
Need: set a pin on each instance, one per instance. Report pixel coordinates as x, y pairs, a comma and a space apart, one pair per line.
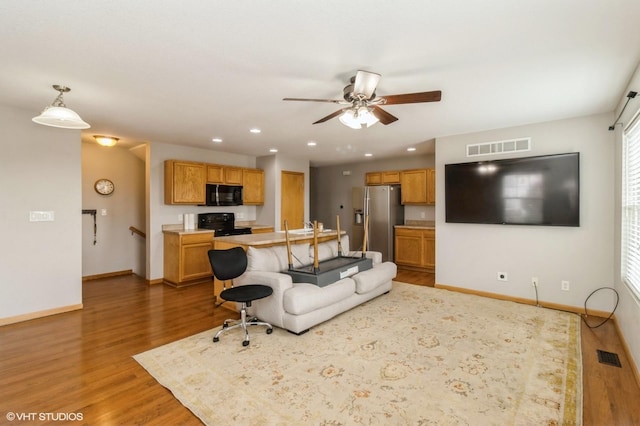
189, 221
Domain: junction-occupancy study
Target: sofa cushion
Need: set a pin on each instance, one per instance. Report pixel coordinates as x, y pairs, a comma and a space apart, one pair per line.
303, 298
374, 277
275, 259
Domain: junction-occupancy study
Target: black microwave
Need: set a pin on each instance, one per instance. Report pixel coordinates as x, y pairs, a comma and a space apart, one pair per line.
224, 195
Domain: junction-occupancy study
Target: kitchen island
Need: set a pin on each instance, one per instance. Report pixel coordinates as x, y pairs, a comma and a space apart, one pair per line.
268, 239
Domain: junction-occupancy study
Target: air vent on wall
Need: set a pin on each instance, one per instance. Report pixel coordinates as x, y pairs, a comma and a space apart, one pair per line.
499, 147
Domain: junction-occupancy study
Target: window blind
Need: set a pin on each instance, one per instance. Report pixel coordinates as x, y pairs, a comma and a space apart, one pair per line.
631, 207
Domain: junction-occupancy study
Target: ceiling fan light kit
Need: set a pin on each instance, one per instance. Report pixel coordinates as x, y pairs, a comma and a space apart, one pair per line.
58, 115
364, 110
358, 117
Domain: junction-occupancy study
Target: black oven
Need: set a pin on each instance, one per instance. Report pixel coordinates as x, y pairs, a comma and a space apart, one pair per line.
222, 223
224, 195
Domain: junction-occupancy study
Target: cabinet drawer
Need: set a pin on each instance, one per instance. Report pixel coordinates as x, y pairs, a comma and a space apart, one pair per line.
429, 233
407, 232
201, 237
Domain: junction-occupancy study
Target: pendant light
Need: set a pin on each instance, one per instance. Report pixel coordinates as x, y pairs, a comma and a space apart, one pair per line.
58, 115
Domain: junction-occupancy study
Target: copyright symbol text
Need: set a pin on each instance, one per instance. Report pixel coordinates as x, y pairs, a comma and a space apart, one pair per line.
11, 416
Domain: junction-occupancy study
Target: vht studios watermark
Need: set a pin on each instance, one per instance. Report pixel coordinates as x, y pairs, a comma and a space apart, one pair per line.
43, 417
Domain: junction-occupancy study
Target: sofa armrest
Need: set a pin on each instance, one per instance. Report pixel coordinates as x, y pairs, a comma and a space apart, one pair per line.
375, 256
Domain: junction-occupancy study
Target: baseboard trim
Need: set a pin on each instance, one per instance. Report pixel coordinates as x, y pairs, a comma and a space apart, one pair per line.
155, 282
39, 314
627, 352
550, 305
107, 275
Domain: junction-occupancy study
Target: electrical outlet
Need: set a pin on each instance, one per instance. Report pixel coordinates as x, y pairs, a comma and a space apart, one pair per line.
534, 281
180, 218
502, 276
565, 286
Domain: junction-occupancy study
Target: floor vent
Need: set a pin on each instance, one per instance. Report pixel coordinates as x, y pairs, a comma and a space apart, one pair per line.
608, 358
499, 147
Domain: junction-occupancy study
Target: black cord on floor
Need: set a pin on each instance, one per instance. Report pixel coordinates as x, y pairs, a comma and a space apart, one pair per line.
586, 313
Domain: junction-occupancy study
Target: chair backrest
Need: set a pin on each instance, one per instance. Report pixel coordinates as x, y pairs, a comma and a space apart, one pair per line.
228, 264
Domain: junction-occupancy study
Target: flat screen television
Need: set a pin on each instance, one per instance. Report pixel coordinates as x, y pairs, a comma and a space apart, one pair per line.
541, 190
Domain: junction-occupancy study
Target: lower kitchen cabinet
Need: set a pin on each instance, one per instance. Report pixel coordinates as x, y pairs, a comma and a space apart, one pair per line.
415, 248
186, 259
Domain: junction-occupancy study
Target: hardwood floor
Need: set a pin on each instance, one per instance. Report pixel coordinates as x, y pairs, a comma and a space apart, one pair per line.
81, 362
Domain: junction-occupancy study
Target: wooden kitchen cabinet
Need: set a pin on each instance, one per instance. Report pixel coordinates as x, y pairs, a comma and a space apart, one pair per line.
186, 259
415, 248
224, 175
233, 175
418, 186
253, 186
390, 177
184, 182
215, 173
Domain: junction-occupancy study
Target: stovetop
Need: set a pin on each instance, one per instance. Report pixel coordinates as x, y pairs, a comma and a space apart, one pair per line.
222, 223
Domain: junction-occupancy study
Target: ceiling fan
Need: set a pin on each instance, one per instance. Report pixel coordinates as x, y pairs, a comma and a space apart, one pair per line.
364, 106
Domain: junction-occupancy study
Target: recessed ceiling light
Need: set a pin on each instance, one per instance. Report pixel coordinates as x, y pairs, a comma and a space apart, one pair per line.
273, 150
368, 154
311, 143
216, 140
255, 130
411, 149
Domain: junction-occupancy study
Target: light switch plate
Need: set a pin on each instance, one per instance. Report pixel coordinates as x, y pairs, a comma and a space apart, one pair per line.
41, 216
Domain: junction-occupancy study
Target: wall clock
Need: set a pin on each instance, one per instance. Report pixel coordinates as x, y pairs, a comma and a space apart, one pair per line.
104, 186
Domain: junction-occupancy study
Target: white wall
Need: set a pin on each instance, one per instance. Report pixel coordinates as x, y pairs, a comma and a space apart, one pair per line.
162, 214
40, 265
469, 255
116, 249
628, 312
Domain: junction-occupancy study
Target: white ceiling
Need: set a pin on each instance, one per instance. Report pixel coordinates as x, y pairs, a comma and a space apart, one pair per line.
186, 71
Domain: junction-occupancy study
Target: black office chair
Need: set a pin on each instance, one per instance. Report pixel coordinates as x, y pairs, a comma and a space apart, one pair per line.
228, 265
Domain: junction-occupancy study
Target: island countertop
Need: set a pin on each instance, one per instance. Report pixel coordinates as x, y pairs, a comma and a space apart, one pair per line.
272, 238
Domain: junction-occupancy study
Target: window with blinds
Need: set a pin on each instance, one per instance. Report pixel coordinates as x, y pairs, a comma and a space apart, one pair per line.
631, 207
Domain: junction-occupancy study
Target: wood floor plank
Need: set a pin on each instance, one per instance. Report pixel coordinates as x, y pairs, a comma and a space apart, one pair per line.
81, 361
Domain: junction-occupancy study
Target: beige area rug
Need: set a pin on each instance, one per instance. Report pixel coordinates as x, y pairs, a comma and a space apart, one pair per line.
417, 355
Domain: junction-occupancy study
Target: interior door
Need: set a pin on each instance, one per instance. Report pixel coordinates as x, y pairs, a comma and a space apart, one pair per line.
292, 199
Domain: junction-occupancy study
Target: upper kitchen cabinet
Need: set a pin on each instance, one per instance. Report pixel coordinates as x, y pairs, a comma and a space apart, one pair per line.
383, 178
418, 186
184, 182
227, 175
253, 186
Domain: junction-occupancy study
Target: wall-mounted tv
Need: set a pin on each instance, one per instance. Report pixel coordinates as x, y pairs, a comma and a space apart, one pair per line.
541, 190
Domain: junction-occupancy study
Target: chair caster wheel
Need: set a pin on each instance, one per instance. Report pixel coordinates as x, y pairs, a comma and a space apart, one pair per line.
269, 330
216, 339
225, 325
245, 343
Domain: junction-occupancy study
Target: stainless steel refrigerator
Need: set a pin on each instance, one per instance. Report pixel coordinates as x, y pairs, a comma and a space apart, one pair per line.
382, 205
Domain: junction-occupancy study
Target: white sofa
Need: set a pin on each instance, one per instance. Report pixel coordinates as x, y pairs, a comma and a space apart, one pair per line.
299, 306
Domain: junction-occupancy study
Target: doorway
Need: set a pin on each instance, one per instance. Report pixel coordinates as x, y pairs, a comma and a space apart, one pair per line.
292, 199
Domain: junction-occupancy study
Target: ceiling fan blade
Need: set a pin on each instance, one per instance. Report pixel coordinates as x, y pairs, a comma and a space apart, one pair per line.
412, 98
330, 116
382, 115
365, 83
333, 101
